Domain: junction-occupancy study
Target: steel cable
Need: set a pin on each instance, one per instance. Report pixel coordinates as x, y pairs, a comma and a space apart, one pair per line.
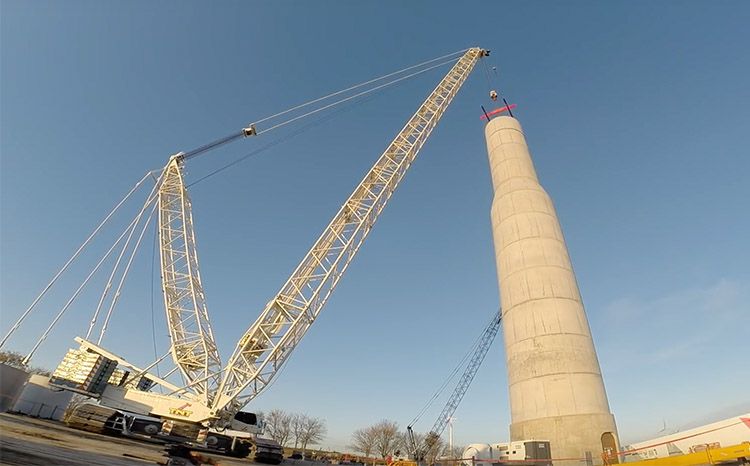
240, 134
70, 261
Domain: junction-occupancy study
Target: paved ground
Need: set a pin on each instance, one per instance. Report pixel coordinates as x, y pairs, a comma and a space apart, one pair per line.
26, 441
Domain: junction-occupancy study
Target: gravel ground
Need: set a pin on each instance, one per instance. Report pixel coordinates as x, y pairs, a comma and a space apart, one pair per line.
26, 441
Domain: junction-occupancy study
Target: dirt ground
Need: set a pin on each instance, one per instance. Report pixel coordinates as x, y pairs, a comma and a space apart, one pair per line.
25, 441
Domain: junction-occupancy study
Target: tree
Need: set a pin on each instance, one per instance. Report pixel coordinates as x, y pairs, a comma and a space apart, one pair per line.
15, 359
285, 427
278, 426
297, 427
457, 453
407, 446
434, 447
429, 446
364, 440
75, 401
313, 431
387, 437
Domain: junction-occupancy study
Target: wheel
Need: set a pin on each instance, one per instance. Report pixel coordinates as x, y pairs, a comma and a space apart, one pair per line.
152, 429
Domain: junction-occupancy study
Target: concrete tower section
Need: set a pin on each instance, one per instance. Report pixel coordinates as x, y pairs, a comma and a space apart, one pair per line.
556, 387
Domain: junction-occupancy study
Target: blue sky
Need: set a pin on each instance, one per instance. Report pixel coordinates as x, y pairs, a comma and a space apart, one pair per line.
635, 112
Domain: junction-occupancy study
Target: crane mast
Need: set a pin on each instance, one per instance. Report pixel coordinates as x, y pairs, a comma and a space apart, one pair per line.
192, 342
267, 344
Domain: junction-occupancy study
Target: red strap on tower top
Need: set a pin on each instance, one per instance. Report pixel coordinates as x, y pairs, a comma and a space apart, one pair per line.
498, 110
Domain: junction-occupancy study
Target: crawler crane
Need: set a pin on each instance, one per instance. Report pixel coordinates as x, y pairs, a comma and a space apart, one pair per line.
418, 451
206, 411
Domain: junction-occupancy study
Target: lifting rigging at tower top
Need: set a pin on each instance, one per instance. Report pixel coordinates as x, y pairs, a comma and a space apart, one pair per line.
220, 391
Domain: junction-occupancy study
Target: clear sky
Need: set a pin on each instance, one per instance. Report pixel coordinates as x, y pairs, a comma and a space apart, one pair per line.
636, 114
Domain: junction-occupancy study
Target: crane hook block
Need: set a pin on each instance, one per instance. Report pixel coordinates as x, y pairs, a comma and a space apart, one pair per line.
250, 131
493, 94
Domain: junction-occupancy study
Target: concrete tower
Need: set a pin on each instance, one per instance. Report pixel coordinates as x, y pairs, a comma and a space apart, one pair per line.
556, 387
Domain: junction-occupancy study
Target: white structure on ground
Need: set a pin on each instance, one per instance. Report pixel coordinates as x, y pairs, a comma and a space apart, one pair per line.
11, 384
39, 399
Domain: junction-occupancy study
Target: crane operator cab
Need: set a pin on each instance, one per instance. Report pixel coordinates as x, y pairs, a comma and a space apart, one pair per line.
493, 95
247, 422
